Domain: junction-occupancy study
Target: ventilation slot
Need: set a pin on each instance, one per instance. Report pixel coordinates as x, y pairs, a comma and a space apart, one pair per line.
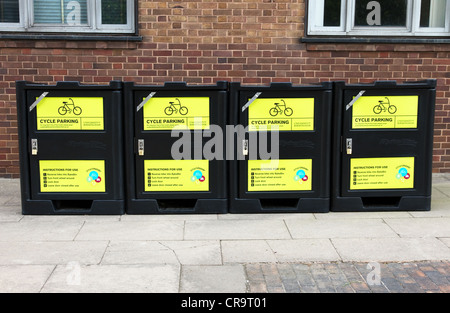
177, 205
280, 204
387, 202
61, 205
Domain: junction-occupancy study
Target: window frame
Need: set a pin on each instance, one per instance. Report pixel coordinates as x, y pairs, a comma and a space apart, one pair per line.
23, 16
94, 12
131, 12
347, 28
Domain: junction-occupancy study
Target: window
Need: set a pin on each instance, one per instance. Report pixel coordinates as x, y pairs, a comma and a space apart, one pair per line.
68, 16
379, 18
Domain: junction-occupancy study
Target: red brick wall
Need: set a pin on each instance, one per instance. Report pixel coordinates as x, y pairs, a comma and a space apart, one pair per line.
203, 41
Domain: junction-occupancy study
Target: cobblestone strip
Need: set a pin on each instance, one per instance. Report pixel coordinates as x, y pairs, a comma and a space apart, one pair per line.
423, 277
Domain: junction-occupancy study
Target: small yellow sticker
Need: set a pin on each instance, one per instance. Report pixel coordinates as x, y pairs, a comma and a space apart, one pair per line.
382, 173
385, 112
176, 175
182, 112
289, 114
71, 113
72, 176
280, 175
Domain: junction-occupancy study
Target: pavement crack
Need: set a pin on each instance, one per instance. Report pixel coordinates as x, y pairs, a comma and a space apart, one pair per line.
104, 252
45, 283
335, 249
79, 230
221, 252
289, 232
173, 251
384, 221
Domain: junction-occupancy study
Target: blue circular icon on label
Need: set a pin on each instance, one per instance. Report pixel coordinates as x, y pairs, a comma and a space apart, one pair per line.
403, 171
301, 174
198, 174
94, 175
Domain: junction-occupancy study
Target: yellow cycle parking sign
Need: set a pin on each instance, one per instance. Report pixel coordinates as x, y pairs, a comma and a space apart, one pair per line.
181, 112
289, 114
70, 113
378, 112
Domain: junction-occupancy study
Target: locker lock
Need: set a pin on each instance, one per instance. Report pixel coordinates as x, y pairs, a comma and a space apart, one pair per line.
141, 147
349, 146
34, 146
245, 147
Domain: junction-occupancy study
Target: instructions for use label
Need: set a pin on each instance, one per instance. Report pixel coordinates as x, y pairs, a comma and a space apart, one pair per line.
279, 175
72, 176
382, 173
176, 175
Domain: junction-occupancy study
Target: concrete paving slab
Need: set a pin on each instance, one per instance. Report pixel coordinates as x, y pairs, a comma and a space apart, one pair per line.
304, 250
247, 251
39, 231
440, 178
10, 213
391, 249
274, 216
205, 253
443, 188
360, 215
196, 252
15, 200
437, 194
46, 253
9, 186
213, 279
446, 241
131, 231
24, 279
72, 218
236, 229
169, 217
342, 228
4, 198
138, 252
439, 208
114, 279
421, 227
163, 252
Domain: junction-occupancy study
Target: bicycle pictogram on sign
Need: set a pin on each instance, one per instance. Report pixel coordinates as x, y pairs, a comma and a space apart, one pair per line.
281, 109
175, 108
69, 108
385, 106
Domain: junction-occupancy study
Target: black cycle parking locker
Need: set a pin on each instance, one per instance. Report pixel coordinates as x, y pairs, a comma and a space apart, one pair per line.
298, 178
71, 148
383, 146
174, 165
